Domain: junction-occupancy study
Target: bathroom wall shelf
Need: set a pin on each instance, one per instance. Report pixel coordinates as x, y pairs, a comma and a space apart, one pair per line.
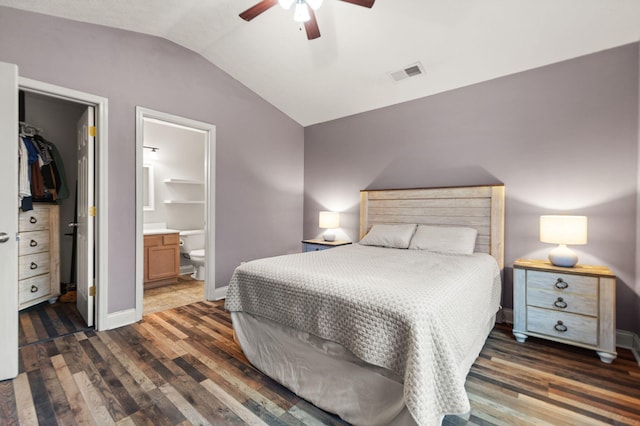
185, 181
182, 202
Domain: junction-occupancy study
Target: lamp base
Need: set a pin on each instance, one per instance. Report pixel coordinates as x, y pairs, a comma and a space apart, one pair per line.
329, 236
563, 256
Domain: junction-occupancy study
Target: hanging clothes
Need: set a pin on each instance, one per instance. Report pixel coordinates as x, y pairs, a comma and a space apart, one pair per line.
53, 171
42, 175
24, 183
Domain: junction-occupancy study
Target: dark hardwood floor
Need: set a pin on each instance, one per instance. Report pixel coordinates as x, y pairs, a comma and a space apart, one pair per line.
181, 367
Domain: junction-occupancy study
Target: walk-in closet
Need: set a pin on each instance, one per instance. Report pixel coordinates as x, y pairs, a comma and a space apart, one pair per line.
48, 155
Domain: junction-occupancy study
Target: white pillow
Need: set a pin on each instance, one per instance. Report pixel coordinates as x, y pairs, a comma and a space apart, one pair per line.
444, 239
394, 236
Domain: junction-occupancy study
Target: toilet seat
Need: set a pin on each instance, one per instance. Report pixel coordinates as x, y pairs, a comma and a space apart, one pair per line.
196, 254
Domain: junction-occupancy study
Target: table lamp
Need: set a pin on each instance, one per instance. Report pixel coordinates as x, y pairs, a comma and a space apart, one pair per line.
563, 230
329, 221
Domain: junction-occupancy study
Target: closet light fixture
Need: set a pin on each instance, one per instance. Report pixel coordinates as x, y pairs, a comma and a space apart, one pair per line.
154, 151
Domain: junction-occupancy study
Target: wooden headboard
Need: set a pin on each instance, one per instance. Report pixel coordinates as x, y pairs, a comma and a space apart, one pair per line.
479, 207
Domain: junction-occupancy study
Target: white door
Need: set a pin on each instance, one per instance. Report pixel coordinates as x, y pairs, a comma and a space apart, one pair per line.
86, 215
8, 221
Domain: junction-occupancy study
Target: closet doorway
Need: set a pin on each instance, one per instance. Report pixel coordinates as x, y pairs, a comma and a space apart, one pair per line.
66, 120
175, 189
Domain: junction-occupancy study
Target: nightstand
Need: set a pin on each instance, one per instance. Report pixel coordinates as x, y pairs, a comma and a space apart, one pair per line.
316, 245
574, 305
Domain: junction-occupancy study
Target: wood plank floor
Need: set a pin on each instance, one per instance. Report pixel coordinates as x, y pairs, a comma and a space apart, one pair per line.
47, 321
186, 291
181, 367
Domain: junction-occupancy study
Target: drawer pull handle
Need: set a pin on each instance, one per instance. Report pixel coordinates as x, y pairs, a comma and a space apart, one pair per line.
33, 243
560, 303
33, 220
561, 284
33, 265
34, 289
560, 327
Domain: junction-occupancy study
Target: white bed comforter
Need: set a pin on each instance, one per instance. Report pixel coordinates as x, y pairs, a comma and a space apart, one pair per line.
414, 312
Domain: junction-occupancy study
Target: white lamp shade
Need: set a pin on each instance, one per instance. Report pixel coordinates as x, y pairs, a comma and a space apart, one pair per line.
329, 220
301, 12
562, 229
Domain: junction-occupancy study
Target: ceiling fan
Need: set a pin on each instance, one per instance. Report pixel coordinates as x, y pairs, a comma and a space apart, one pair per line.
303, 12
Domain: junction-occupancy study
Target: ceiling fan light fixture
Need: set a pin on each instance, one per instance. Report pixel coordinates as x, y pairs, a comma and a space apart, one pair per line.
286, 4
314, 4
301, 13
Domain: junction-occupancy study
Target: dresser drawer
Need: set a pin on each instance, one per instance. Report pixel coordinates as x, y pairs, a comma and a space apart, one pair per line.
563, 325
33, 242
34, 288
34, 220
32, 265
562, 283
563, 302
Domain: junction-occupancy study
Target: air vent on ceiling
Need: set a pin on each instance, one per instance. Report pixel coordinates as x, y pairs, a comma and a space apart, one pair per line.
412, 70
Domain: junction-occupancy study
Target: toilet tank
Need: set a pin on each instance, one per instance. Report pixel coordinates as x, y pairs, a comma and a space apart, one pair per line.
192, 239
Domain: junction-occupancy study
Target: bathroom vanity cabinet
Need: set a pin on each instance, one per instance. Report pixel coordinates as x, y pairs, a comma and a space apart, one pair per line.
161, 259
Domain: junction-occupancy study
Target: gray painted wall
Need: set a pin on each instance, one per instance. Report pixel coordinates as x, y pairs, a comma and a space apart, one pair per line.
562, 138
259, 157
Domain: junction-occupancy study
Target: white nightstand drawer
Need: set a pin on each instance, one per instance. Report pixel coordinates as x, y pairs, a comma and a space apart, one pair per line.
563, 302
563, 325
565, 283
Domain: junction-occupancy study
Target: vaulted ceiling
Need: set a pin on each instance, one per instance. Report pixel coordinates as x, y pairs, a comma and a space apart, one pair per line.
348, 69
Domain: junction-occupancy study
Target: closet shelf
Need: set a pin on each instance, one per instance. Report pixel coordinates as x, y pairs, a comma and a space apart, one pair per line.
185, 181
182, 202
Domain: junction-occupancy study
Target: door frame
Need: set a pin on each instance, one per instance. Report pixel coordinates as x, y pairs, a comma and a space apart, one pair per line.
101, 230
209, 131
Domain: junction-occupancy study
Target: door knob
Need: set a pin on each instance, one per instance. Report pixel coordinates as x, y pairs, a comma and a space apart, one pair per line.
4, 237
72, 225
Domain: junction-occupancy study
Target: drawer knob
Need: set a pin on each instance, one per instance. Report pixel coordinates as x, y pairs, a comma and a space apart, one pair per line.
34, 289
560, 303
560, 327
33, 243
561, 284
33, 220
33, 265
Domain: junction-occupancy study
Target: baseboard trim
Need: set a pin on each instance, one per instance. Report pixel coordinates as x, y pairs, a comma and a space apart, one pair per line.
624, 339
220, 292
120, 318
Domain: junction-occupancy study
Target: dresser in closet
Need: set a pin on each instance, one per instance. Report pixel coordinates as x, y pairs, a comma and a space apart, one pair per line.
38, 255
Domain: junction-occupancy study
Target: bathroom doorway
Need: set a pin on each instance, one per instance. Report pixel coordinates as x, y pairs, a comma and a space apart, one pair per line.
175, 187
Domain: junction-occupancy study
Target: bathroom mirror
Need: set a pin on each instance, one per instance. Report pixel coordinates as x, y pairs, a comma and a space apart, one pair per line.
147, 187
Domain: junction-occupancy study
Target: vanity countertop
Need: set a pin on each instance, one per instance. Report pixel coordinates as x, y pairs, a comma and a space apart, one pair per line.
156, 231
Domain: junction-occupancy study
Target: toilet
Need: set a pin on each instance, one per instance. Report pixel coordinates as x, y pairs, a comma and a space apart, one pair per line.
192, 247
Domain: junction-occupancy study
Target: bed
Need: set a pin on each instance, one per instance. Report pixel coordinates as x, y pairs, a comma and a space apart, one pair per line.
383, 331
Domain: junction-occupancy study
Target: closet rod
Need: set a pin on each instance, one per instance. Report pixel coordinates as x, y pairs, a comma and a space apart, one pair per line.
26, 126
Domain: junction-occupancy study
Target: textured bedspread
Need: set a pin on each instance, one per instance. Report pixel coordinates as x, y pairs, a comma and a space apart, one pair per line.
414, 312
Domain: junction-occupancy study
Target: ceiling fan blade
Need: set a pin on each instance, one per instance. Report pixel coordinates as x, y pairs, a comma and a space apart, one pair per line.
312, 26
257, 9
363, 3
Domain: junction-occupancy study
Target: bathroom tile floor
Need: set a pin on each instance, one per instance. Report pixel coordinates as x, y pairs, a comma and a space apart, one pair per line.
186, 291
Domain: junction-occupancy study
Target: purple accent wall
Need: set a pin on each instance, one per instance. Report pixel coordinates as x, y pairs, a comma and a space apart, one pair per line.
562, 138
259, 150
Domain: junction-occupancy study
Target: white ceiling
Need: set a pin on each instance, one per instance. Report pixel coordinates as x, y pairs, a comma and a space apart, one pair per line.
346, 71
